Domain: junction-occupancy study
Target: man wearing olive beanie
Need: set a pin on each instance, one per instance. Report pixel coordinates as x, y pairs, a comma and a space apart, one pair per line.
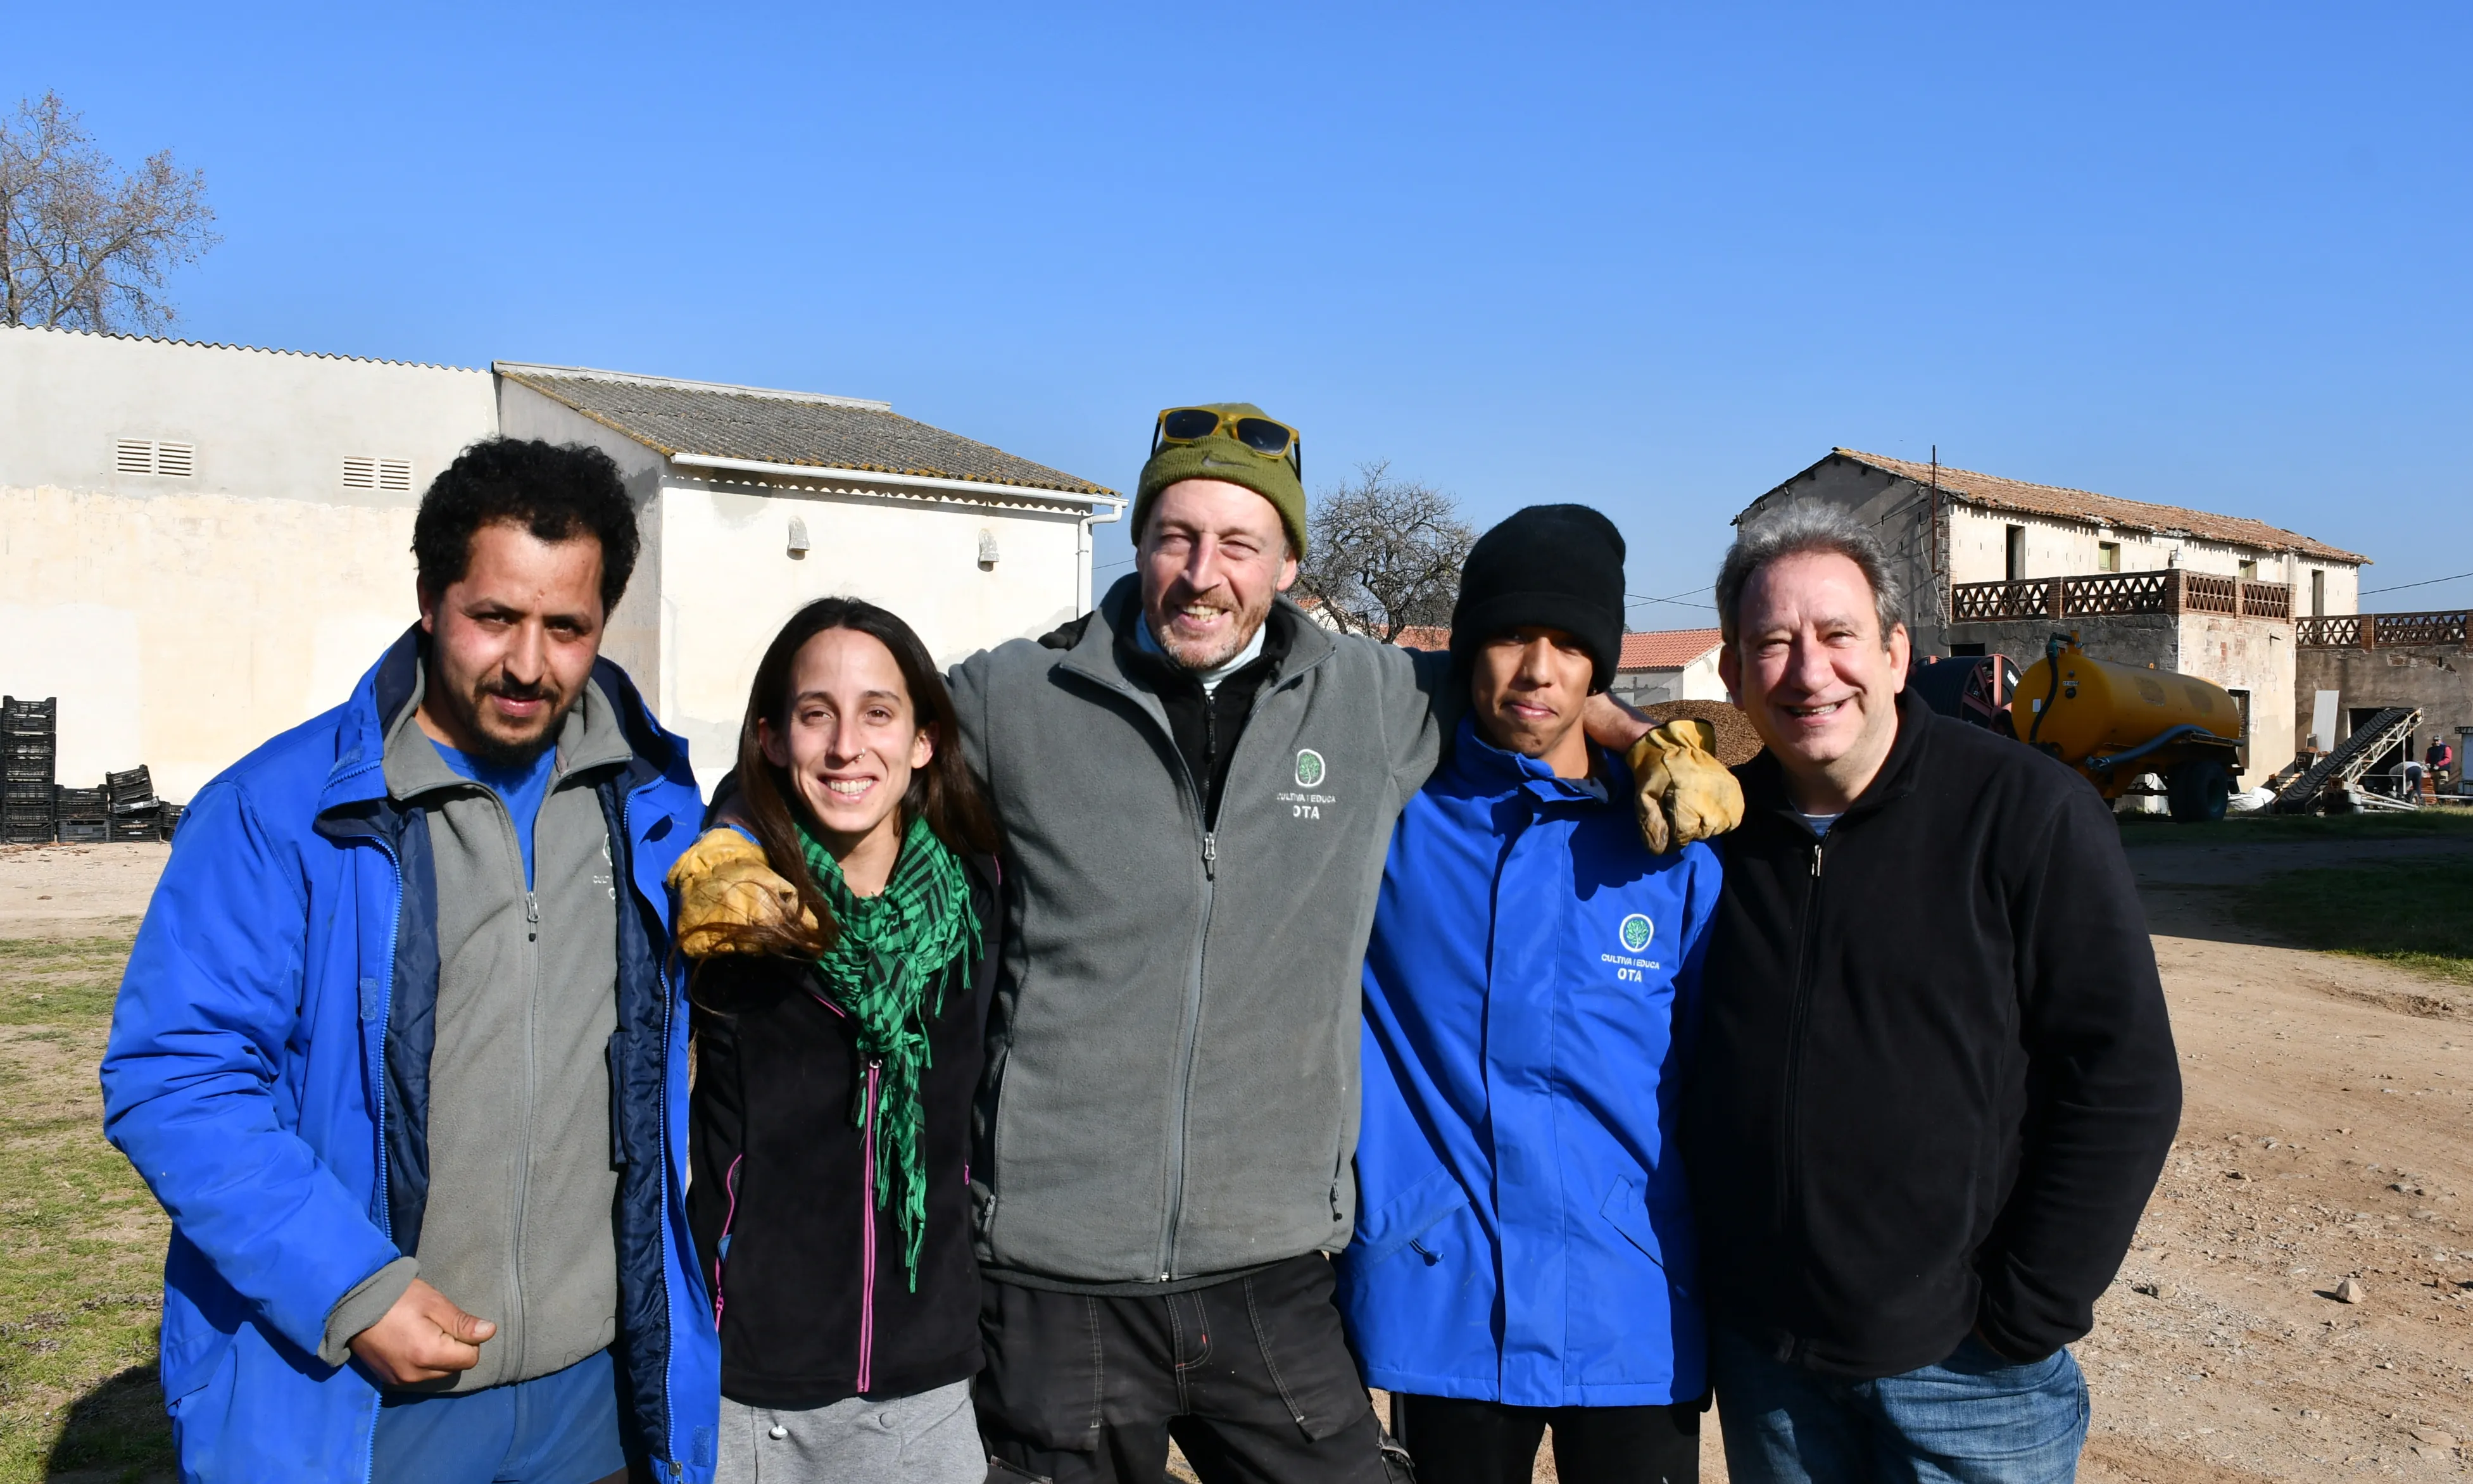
1196, 784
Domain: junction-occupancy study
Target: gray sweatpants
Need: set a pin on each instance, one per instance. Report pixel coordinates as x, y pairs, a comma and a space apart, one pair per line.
930, 1438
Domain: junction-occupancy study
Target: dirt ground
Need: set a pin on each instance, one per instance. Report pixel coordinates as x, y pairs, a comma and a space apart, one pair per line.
2328, 1135
73, 890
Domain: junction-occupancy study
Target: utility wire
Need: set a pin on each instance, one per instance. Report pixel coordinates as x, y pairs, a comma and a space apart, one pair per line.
2401, 587
1673, 598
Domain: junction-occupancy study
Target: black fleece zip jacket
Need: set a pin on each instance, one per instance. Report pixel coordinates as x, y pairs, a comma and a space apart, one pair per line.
778, 1205
1936, 1081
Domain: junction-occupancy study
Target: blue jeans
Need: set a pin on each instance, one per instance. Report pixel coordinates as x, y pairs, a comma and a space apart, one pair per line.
559, 1428
1974, 1418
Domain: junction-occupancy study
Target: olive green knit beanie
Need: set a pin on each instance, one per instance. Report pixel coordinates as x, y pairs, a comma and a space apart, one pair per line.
1220, 456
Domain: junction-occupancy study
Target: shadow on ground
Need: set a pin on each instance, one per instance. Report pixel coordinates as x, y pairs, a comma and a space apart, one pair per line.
117, 1432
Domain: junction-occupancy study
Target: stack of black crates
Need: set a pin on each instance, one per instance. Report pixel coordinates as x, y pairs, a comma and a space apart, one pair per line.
133, 811
29, 755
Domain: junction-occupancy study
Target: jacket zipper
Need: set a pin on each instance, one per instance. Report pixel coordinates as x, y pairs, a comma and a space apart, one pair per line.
867, 1230
867, 1211
626, 869
721, 1248
1789, 1191
1188, 1046
386, 1013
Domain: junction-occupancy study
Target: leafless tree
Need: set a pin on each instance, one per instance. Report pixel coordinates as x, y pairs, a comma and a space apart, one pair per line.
1384, 553
84, 246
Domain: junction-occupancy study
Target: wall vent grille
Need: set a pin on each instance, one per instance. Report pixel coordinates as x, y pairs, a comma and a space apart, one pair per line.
377, 473
145, 456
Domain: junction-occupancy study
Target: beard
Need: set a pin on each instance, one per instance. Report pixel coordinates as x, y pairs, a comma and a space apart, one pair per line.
1211, 653
504, 745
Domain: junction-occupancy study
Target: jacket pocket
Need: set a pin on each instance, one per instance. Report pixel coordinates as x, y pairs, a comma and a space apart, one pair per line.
1627, 1208
1408, 1216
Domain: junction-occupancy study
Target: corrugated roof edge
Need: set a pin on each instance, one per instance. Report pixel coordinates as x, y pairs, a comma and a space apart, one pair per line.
594, 374
218, 345
523, 373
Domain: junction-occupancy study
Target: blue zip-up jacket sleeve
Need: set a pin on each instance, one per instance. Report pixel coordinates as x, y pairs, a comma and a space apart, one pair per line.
207, 1015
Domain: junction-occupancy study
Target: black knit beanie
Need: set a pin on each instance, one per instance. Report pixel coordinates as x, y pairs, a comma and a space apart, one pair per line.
1556, 566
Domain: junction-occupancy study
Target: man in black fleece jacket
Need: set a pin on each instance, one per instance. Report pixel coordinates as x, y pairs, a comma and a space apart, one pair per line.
1936, 1080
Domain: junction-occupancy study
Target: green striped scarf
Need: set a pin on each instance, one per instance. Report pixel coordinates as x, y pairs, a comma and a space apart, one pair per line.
887, 971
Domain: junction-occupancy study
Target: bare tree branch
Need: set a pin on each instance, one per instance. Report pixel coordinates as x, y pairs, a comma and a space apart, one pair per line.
1384, 553
81, 245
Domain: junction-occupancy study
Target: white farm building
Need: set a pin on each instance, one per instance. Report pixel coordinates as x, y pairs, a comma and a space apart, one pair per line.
201, 546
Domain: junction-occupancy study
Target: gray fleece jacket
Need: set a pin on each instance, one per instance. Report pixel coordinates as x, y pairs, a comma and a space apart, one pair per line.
1172, 1082
521, 1184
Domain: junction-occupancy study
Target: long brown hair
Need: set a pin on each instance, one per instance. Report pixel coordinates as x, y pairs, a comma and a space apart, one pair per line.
941, 793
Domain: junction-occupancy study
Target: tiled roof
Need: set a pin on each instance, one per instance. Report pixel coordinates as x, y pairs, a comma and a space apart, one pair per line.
1434, 637
1994, 492
1666, 649
766, 426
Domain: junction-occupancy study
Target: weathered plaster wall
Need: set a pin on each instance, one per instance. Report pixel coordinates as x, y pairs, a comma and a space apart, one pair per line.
728, 582
2255, 656
184, 621
182, 631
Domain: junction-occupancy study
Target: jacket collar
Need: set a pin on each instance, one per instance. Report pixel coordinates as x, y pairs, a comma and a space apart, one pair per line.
393, 684
1763, 780
1098, 655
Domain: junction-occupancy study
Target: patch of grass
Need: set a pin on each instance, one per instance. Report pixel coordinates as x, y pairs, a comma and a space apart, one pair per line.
2445, 824
2416, 915
81, 1237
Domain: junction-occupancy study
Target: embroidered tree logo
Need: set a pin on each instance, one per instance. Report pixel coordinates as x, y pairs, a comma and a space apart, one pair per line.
1308, 767
1637, 931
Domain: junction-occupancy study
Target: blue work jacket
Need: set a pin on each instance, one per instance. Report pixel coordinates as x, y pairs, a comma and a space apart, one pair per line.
1532, 983
267, 1076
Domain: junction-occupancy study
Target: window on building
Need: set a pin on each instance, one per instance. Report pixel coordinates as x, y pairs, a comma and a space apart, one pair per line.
2107, 556
147, 456
1966, 651
2249, 569
2318, 593
377, 473
2017, 551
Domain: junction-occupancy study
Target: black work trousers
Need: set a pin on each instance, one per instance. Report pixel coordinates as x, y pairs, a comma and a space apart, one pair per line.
1457, 1442
1250, 1375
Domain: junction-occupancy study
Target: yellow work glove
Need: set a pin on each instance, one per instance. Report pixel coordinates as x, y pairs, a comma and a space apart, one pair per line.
724, 883
1683, 792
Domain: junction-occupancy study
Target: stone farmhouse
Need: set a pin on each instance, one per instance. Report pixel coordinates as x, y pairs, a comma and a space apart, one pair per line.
1992, 565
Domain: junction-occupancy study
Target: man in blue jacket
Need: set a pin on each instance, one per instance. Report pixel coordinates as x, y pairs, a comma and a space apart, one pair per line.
398, 1051
1524, 1252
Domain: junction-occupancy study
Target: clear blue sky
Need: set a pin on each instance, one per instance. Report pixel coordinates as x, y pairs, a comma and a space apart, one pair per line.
1654, 258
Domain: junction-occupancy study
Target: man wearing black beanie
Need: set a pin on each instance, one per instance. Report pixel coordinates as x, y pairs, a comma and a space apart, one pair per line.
1559, 566
1524, 1255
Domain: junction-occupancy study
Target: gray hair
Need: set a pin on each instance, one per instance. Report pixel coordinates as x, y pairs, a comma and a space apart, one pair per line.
1797, 531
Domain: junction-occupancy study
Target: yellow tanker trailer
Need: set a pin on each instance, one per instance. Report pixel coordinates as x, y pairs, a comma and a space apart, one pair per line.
2115, 722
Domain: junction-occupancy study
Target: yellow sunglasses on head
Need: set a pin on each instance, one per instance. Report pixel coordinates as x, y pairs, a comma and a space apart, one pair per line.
1265, 436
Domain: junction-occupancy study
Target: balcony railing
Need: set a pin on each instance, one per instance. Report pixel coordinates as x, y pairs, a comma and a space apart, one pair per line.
2382, 630
2172, 590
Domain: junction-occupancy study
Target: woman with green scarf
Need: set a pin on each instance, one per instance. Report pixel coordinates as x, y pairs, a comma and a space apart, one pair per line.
838, 1044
